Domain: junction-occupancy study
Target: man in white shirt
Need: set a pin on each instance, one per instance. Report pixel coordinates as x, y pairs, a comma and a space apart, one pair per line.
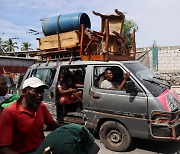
108, 84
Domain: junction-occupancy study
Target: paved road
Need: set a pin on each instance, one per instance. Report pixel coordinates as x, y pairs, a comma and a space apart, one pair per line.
140, 146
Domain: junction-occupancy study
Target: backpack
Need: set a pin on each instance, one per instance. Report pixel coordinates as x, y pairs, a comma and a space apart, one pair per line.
68, 139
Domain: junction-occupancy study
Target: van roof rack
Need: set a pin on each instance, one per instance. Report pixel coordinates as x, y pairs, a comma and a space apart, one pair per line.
62, 55
86, 44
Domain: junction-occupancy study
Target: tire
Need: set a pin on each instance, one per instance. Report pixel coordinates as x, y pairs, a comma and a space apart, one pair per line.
115, 136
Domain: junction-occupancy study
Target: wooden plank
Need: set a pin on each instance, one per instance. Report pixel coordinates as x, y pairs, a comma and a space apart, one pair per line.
111, 57
121, 58
47, 52
133, 43
114, 47
67, 40
82, 39
115, 22
114, 25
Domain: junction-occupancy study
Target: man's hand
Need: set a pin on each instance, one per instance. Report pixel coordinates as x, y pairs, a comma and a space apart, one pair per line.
72, 90
53, 126
126, 76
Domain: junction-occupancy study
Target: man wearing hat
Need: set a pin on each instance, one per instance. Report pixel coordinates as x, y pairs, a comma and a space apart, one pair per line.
21, 124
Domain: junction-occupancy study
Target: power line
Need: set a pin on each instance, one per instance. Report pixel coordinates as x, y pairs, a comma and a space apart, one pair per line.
35, 33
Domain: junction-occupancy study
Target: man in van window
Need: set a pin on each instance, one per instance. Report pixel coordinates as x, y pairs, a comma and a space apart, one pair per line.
108, 84
21, 124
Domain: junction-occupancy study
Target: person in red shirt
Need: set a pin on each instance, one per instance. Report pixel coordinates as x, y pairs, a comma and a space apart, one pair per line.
21, 124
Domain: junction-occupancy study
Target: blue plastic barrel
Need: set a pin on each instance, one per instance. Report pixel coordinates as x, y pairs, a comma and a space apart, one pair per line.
65, 23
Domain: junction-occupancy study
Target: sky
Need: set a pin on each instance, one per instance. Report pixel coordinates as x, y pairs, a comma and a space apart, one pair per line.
156, 19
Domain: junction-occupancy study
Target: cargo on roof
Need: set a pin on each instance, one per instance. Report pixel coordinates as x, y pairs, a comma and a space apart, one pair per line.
71, 32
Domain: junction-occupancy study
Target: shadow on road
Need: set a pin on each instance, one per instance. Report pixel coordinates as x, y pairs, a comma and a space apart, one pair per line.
159, 147
171, 147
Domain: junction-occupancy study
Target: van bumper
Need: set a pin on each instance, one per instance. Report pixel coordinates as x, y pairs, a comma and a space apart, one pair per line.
165, 125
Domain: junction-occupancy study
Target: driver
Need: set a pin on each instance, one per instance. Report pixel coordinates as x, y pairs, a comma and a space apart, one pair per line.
108, 84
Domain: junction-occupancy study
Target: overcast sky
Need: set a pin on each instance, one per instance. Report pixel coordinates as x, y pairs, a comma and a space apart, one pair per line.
157, 19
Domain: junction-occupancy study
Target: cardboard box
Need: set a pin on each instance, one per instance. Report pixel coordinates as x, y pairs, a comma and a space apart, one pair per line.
67, 40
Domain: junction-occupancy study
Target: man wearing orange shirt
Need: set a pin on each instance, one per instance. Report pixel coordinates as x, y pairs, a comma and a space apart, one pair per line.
21, 124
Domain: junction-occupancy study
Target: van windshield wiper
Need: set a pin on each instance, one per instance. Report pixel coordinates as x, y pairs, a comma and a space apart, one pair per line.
168, 85
159, 84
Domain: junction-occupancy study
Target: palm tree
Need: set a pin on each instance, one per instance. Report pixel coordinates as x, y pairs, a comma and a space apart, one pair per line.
9, 45
26, 46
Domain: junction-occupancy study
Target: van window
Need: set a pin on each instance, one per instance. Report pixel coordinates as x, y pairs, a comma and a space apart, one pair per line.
99, 77
46, 75
76, 73
70, 89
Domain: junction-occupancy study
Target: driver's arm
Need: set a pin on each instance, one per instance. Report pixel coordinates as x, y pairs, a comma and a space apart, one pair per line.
126, 76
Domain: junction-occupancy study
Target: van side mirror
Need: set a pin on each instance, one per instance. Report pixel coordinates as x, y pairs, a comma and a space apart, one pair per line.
130, 87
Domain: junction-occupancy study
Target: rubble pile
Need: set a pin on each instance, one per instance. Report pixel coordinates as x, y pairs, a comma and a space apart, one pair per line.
172, 77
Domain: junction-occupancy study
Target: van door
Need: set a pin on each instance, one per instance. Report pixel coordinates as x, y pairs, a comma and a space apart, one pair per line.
47, 75
107, 104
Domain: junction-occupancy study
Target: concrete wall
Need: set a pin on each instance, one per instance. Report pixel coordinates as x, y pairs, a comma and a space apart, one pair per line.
168, 63
15, 64
168, 58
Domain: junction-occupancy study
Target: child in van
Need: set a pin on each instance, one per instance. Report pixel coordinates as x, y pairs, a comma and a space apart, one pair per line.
68, 90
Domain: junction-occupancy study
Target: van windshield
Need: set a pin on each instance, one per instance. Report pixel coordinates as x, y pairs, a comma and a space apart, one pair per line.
152, 82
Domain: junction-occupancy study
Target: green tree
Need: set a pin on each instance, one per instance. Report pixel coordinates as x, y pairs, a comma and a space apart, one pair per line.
128, 26
26, 46
9, 46
1, 46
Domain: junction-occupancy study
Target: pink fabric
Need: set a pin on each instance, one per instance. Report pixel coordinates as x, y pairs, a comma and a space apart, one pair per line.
162, 97
67, 99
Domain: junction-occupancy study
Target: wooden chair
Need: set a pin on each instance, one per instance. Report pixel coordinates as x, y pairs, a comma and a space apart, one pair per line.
114, 46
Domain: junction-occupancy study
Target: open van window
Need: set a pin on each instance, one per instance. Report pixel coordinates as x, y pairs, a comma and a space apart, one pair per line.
148, 78
108, 77
70, 89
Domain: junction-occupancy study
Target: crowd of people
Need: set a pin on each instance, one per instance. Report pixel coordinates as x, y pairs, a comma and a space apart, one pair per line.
22, 121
